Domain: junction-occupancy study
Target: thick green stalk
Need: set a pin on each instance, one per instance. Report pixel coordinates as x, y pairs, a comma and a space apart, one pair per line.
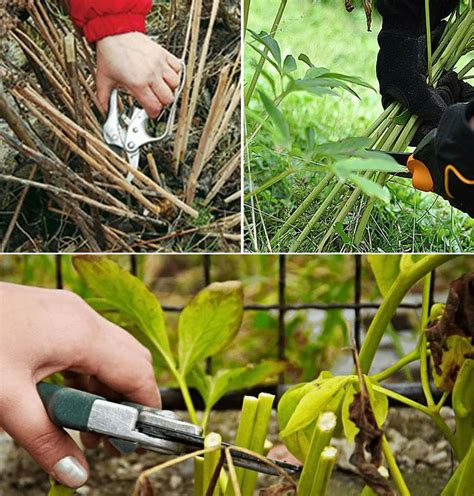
198, 475
261, 62
392, 300
257, 442
322, 435
317, 215
211, 460
246, 14
324, 471
466, 479
303, 206
428, 41
244, 434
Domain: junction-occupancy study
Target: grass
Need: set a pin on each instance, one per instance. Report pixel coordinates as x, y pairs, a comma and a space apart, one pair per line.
412, 221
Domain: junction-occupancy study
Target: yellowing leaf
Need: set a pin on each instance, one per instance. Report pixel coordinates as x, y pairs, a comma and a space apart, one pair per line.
117, 290
209, 322
453, 358
312, 404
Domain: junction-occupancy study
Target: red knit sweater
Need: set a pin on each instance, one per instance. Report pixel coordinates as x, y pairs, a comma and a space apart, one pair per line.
100, 18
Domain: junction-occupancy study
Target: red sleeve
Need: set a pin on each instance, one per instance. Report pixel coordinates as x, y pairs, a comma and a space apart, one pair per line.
100, 18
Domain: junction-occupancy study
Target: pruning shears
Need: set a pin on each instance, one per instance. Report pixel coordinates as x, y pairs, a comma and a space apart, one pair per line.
129, 426
420, 163
127, 131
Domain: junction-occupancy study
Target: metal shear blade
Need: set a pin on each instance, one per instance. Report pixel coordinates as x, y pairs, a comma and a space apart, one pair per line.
130, 134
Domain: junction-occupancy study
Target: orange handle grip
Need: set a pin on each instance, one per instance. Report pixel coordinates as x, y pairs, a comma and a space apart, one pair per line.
421, 176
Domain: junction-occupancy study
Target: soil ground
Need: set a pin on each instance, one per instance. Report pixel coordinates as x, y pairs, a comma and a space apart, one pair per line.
421, 452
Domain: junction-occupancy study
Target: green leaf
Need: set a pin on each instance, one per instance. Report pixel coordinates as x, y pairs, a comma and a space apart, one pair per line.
350, 429
403, 118
265, 55
270, 43
386, 269
350, 79
339, 228
370, 188
233, 379
125, 294
289, 64
277, 118
304, 58
312, 404
377, 162
209, 322
343, 148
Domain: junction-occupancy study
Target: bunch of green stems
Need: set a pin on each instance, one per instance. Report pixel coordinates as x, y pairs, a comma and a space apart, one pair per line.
392, 131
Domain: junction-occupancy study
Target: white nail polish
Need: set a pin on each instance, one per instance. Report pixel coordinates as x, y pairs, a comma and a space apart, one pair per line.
69, 472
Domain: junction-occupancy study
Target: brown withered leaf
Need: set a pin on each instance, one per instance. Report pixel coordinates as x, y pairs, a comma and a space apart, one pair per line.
457, 320
367, 7
368, 441
280, 489
348, 5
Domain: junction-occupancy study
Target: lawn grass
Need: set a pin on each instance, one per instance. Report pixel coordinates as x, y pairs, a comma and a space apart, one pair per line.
413, 221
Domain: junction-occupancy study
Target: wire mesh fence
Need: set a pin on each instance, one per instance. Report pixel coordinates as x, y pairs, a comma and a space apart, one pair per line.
172, 397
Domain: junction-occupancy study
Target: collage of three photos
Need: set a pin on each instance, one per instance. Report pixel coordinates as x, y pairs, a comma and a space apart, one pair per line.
237, 247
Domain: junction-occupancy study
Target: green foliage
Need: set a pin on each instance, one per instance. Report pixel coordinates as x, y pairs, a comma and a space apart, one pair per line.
206, 326
209, 322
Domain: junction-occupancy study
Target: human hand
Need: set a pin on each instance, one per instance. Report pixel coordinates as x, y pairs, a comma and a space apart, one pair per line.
133, 61
45, 331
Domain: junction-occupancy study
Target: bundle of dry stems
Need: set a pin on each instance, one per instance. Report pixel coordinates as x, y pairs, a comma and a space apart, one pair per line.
50, 105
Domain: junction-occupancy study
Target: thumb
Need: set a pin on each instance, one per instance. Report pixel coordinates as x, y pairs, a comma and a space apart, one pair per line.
104, 86
24, 417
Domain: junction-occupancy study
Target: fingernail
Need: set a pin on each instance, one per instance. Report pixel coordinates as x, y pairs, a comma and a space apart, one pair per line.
69, 472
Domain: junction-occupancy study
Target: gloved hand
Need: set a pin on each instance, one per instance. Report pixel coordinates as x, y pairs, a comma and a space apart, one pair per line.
448, 154
402, 61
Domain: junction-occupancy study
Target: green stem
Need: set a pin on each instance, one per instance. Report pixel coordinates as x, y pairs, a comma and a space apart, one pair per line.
211, 460
246, 14
321, 437
303, 206
440, 423
425, 380
428, 41
466, 480
323, 472
394, 297
261, 62
385, 374
394, 470
244, 434
186, 396
317, 215
258, 435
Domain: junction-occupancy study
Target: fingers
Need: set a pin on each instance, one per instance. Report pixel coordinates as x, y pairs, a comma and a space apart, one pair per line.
25, 419
162, 91
120, 363
148, 100
104, 88
174, 62
171, 78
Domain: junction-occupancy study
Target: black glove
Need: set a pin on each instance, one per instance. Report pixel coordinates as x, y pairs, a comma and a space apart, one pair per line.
448, 153
402, 63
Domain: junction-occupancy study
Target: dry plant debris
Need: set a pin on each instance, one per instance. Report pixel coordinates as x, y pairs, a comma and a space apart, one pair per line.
67, 190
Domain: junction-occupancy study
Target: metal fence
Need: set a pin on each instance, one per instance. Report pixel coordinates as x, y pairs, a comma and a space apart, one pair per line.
172, 398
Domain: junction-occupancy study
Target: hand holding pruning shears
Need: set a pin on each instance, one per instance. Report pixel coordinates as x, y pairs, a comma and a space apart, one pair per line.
45, 331
443, 162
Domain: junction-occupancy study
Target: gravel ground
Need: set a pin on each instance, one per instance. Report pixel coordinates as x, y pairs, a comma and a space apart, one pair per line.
422, 453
